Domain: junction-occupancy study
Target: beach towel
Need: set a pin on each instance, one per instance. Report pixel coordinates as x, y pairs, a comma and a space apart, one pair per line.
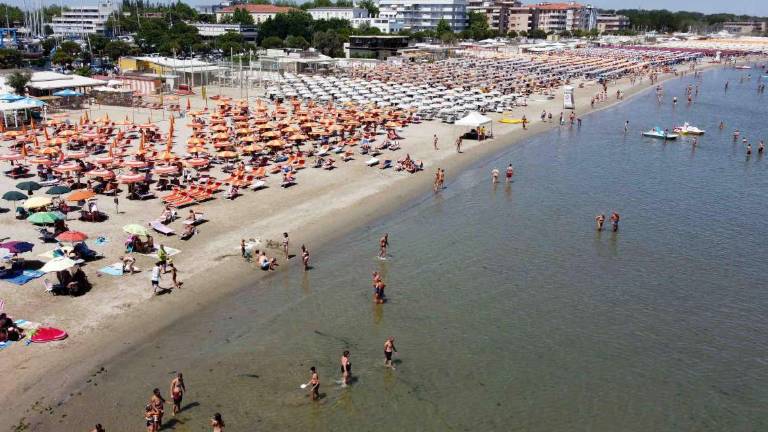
22, 277
112, 270
168, 250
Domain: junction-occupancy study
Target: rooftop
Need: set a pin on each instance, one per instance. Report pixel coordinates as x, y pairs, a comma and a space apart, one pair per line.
257, 9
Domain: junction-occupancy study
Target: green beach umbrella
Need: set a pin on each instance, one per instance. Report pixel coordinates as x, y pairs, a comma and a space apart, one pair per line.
28, 186
58, 190
14, 196
42, 218
136, 229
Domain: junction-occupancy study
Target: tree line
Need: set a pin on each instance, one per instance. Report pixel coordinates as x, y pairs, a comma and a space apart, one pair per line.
663, 20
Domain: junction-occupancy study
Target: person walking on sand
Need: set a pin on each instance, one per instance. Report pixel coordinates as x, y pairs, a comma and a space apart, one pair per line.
458, 144
217, 423
436, 185
346, 369
305, 257
600, 219
176, 282
177, 392
494, 176
313, 385
615, 221
434, 142
242, 248
285, 244
440, 178
384, 243
162, 256
389, 348
156, 278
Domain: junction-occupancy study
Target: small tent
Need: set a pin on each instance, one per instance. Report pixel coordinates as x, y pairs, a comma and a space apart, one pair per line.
475, 120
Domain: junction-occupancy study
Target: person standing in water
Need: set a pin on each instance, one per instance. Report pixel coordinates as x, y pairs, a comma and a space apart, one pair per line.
158, 405
441, 178
346, 369
389, 348
760, 147
494, 176
313, 386
749, 149
383, 245
600, 219
510, 172
305, 257
217, 423
177, 392
626, 126
615, 221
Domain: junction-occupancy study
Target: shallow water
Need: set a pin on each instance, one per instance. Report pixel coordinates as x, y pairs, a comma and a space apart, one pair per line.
510, 312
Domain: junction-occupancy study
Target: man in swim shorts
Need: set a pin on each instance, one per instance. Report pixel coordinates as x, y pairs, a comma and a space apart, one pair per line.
389, 348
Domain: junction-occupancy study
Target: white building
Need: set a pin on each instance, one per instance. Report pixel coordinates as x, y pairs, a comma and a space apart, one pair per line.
207, 30
419, 15
83, 20
260, 13
347, 13
385, 25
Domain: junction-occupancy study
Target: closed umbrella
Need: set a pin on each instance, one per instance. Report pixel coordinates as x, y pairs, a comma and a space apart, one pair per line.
131, 178
58, 264
43, 218
37, 202
58, 190
136, 229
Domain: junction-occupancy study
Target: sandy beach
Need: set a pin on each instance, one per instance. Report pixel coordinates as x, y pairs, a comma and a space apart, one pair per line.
119, 311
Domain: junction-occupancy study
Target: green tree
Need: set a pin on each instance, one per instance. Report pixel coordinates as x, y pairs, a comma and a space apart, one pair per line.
478, 25
71, 48
97, 43
296, 42
13, 14
239, 16
512, 34
18, 81
260, 2
83, 71
272, 42
10, 58
448, 38
230, 42
537, 34
297, 23
116, 49
443, 27
373, 10
329, 43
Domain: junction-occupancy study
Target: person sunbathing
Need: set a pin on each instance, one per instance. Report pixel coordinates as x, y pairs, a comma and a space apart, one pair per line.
189, 231
192, 216
328, 164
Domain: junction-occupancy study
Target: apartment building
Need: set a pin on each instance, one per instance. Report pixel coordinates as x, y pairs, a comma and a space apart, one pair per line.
611, 23
260, 13
746, 27
418, 15
78, 21
347, 13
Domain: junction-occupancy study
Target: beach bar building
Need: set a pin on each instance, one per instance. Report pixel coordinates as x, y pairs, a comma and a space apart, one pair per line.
46, 83
172, 71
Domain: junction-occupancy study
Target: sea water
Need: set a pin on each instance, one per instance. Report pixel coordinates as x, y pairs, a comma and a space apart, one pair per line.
509, 310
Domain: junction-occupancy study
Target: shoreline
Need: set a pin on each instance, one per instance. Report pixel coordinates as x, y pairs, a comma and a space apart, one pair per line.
79, 357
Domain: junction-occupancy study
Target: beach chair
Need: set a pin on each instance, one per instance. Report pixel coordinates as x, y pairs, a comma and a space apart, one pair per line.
372, 162
161, 228
323, 150
276, 169
260, 173
348, 156
387, 164
258, 184
290, 181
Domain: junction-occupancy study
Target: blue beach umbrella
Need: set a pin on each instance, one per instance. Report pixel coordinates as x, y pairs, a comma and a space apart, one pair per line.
67, 93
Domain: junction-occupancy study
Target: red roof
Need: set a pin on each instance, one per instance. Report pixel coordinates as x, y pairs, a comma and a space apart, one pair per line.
258, 9
556, 6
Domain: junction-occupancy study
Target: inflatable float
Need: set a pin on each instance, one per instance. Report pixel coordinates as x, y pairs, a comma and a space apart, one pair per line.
511, 121
48, 334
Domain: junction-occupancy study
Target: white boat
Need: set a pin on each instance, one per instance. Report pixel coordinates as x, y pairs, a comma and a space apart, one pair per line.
687, 129
658, 132
743, 67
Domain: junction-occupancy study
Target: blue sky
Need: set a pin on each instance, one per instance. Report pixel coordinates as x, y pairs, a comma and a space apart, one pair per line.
748, 7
